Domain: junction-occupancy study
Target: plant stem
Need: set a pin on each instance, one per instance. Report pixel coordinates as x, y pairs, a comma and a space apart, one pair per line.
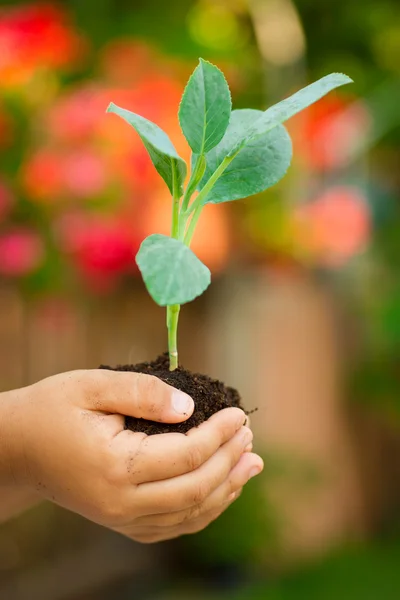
175, 213
173, 310
192, 225
210, 183
195, 178
172, 318
197, 205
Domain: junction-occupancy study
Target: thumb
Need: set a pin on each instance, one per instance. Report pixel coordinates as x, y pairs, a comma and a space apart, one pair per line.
144, 397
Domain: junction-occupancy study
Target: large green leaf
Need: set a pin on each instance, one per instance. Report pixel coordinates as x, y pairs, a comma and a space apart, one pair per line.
289, 107
205, 108
171, 271
170, 166
257, 166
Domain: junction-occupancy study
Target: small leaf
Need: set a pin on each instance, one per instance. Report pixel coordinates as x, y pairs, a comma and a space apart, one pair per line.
290, 106
160, 148
257, 166
205, 108
171, 271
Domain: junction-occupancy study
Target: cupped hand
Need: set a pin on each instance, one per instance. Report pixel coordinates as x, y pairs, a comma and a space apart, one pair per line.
66, 439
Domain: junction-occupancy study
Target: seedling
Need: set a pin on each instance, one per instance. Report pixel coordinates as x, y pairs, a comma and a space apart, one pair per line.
235, 154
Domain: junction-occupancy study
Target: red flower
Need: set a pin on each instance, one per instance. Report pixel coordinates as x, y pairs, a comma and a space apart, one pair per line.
99, 245
21, 252
33, 36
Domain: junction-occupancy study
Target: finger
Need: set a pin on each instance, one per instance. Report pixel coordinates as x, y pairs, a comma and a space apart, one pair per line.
154, 534
137, 395
248, 466
193, 488
168, 455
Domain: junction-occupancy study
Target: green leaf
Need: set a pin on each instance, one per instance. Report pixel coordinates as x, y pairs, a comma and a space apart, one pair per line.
205, 108
171, 271
289, 107
257, 166
170, 166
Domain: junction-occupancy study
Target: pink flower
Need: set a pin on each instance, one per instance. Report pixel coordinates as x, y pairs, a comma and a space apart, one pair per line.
83, 174
329, 131
75, 117
21, 252
335, 226
51, 176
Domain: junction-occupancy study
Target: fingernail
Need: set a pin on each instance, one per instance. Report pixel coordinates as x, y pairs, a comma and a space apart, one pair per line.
231, 497
254, 471
249, 448
182, 403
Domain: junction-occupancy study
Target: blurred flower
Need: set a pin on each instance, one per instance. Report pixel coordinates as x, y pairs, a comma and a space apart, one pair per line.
42, 176
35, 36
21, 252
74, 117
84, 174
49, 176
335, 226
329, 131
102, 247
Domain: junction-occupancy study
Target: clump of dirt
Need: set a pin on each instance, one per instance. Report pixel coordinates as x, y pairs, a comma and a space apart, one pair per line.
209, 395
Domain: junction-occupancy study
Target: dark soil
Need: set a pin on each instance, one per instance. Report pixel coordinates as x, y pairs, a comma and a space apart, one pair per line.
209, 395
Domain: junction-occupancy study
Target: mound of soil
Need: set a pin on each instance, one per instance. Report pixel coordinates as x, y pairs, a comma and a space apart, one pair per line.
209, 395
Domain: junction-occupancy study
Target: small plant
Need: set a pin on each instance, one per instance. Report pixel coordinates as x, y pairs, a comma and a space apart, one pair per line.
235, 154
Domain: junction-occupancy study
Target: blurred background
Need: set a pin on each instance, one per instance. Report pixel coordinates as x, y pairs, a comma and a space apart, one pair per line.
306, 280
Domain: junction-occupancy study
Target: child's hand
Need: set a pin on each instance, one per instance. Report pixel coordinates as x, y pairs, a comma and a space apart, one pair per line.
65, 437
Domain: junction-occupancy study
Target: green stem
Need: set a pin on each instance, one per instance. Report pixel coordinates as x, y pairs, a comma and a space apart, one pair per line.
173, 310
192, 225
198, 204
195, 178
172, 319
210, 183
175, 212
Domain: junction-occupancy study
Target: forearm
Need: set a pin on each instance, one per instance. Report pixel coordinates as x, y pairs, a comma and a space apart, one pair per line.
16, 495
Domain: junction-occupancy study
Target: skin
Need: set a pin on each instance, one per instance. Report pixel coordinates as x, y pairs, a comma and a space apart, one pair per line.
63, 439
